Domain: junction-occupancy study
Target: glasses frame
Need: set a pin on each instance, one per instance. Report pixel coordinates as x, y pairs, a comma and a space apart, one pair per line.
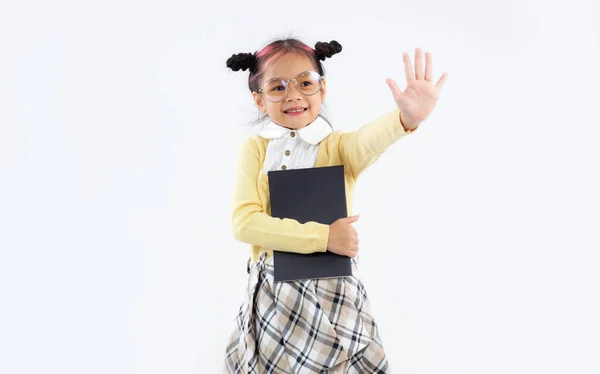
287, 86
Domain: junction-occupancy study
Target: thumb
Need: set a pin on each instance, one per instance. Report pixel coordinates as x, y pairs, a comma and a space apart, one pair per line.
353, 218
396, 92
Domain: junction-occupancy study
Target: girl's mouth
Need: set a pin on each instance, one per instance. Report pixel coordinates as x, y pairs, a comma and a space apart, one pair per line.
295, 111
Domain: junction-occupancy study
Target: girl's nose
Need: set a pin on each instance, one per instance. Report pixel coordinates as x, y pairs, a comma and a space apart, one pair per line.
293, 91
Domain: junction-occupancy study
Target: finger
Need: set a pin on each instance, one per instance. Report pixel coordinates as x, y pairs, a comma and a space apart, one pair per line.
441, 81
428, 67
398, 95
408, 69
394, 87
418, 63
353, 218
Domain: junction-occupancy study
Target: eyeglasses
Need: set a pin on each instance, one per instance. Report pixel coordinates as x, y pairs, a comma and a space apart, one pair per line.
276, 89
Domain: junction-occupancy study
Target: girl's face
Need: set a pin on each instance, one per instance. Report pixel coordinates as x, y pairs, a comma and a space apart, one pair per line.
287, 67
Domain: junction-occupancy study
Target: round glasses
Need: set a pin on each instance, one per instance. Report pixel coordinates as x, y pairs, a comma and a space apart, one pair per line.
276, 89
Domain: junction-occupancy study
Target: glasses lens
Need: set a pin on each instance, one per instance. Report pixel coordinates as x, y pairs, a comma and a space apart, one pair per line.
309, 83
275, 89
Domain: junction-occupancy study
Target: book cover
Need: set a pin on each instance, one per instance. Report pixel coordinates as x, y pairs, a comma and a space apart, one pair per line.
311, 194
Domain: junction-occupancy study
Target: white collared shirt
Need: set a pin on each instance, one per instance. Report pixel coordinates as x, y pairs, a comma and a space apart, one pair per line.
293, 149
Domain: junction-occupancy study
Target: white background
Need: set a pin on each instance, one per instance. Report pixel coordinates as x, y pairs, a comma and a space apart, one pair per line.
119, 130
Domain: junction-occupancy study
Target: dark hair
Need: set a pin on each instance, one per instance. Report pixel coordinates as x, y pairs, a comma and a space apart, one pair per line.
256, 62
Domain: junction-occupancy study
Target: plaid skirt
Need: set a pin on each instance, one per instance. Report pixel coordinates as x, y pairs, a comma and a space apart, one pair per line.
302, 327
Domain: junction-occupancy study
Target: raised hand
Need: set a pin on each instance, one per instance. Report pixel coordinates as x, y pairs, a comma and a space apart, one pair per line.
420, 96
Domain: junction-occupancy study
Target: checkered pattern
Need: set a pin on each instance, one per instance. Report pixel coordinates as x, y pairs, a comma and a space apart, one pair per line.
304, 327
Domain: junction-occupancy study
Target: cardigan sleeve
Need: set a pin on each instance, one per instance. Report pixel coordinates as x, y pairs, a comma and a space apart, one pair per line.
252, 225
360, 148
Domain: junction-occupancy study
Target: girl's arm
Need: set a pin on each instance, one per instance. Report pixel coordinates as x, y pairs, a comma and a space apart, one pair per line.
252, 225
360, 148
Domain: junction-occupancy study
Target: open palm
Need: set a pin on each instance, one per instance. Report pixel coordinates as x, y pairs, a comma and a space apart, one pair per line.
420, 96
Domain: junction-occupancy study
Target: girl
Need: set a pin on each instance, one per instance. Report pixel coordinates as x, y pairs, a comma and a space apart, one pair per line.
311, 326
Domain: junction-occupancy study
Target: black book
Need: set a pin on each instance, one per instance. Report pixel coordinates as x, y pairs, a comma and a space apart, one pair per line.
311, 194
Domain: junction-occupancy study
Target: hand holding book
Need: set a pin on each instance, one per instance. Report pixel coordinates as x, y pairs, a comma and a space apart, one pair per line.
343, 238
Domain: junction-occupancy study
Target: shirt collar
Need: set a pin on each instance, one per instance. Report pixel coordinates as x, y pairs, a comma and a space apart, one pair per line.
313, 133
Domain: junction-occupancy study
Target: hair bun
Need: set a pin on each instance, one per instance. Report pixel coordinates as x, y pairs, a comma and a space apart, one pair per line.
242, 61
325, 50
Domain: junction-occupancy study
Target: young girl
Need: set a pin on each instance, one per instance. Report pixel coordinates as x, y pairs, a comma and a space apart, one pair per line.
320, 325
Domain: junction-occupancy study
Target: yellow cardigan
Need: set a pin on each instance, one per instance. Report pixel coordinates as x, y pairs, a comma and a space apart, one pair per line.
251, 220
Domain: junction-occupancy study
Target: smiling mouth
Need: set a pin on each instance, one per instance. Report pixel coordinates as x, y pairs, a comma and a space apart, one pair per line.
295, 110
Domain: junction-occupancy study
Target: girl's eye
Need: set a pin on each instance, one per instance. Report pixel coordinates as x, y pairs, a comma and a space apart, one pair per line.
278, 88
306, 83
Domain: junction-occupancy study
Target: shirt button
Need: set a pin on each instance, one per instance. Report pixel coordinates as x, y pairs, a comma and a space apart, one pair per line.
283, 167
287, 153
292, 134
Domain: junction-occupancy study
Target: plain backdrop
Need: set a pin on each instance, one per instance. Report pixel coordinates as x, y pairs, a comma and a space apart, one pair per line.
119, 131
